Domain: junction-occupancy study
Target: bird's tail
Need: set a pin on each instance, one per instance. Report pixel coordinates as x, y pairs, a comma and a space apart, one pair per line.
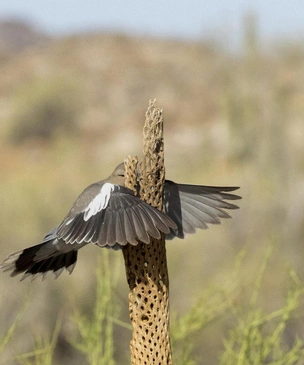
39, 259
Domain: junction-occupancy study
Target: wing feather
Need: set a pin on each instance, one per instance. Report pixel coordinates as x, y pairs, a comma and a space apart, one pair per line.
193, 207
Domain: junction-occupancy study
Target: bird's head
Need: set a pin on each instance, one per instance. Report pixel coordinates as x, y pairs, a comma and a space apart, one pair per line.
118, 175
119, 170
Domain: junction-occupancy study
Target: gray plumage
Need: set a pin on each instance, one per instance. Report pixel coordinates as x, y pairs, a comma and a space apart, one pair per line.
109, 215
193, 207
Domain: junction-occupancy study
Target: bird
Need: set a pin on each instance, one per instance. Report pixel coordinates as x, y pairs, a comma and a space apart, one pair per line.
109, 215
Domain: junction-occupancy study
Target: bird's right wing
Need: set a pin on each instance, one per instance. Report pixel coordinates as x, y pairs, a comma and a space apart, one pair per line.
193, 207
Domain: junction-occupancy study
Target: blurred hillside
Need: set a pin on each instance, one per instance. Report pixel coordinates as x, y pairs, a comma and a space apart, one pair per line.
17, 36
72, 108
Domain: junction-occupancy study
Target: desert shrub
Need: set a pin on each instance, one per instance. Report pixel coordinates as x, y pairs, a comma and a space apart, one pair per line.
43, 109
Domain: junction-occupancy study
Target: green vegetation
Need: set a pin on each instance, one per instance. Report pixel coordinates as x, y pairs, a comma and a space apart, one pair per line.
259, 337
253, 336
96, 332
9, 332
43, 350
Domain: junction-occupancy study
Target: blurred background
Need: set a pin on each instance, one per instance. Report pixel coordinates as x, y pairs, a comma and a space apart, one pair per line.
75, 82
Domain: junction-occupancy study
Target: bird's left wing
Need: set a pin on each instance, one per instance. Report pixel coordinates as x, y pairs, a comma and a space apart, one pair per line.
111, 215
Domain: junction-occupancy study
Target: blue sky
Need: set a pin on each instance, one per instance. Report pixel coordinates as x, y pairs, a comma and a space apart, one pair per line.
179, 18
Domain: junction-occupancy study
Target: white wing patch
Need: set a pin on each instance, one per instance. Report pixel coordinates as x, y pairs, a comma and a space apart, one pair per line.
100, 201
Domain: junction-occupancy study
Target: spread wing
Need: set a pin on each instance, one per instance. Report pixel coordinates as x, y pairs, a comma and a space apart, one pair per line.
107, 214
193, 207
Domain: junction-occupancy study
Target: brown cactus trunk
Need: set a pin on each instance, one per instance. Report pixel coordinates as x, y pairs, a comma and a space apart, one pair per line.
146, 265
